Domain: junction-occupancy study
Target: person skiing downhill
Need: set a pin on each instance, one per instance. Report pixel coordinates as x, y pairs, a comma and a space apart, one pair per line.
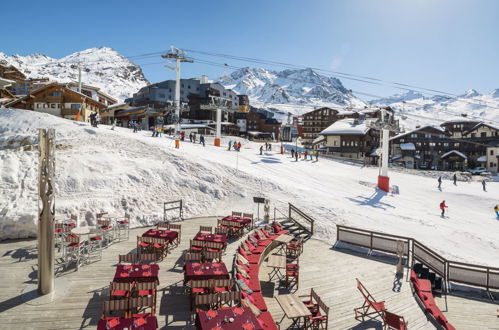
484, 185
439, 182
201, 140
443, 207
496, 208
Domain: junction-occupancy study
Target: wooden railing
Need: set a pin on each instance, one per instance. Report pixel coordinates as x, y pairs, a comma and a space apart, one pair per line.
301, 218
458, 272
173, 205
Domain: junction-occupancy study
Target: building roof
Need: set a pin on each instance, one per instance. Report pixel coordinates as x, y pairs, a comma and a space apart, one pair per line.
346, 127
459, 120
407, 146
460, 154
482, 159
441, 129
481, 124
318, 139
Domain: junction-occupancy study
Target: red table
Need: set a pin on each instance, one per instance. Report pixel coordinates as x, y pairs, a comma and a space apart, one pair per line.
242, 220
168, 235
126, 323
211, 238
199, 271
242, 318
138, 273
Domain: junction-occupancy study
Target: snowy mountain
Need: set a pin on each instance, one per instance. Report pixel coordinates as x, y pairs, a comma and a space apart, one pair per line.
414, 109
295, 91
102, 67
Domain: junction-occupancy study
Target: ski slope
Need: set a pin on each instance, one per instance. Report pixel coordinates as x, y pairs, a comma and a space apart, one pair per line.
99, 169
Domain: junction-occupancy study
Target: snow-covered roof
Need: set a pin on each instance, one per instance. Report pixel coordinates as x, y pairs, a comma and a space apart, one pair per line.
484, 124
460, 154
459, 120
346, 127
407, 146
482, 159
397, 156
376, 152
441, 129
319, 139
189, 126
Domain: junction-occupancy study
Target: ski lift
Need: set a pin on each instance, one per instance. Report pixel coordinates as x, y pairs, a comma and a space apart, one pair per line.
464, 115
404, 117
87, 70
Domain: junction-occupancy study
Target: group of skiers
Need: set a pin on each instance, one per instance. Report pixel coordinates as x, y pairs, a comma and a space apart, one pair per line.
157, 131
94, 119
234, 145
306, 153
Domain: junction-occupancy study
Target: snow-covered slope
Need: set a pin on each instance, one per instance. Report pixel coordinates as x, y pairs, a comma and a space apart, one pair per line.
295, 91
102, 67
414, 109
99, 170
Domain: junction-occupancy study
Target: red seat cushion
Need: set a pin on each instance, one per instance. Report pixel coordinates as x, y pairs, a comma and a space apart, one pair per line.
148, 292
221, 289
75, 245
96, 238
158, 246
265, 243
212, 250
254, 258
254, 284
120, 293
144, 244
424, 285
266, 321
106, 227
259, 302
143, 315
259, 249
123, 221
199, 290
196, 248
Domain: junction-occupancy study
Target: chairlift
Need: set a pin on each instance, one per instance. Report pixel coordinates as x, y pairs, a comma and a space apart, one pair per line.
404, 117
464, 115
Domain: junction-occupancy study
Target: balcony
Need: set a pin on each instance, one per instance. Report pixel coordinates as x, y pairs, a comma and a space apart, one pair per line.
69, 112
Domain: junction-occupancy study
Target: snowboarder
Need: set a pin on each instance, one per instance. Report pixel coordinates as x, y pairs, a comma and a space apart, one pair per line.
496, 208
440, 182
230, 144
261, 149
443, 207
484, 185
201, 140
455, 179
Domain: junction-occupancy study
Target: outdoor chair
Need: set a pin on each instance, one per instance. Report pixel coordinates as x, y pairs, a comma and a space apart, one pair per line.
221, 285
196, 287
147, 289
212, 256
319, 317
123, 226
237, 214
222, 231
214, 247
74, 251
118, 307
229, 299
310, 300
119, 290
95, 246
197, 246
394, 321
106, 228
190, 257
250, 216
205, 229
142, 306
178, 229
163, 225
417, 268
147, 258
204, 302
369, 304
60, 232
127, 258
292, 276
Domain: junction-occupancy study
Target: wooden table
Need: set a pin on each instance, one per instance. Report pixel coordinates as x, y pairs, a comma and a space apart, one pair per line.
283, 240
293, 307
276, 262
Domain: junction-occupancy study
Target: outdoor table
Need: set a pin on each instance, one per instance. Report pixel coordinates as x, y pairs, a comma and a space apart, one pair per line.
137, 273
211, 238
80, 231
227, 319
244, 221
283, 240
276, 262
150, 323
292, 307
168, 235
205, 271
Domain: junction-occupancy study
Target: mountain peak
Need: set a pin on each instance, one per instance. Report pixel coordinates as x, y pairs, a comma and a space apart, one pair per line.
470, 93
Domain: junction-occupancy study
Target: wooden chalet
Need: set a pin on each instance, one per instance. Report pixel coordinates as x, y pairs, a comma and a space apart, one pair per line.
11, 72
58, 100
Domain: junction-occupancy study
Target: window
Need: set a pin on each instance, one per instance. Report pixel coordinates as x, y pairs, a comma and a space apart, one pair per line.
56, 93
75, 106
492, 152
52, 105
456, 144
473, 135
414, 135
402, 140
491, 164
483, 134
189, 86
427, 135
162, 96
446, 144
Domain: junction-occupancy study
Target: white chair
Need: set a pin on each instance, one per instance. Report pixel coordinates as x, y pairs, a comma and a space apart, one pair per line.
123, 226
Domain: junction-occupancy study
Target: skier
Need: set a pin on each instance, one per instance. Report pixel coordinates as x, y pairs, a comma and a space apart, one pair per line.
306, 154
443, 207
230, 144
316, 156
182, 135
440, 182
134, 125
270, 147
97, 119
484, 185
311, 155
201, 140
496, 208
238, 146
296, 155
261, 149
292, 153
455, 179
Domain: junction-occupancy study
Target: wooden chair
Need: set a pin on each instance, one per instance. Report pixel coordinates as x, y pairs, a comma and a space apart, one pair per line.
237, 214
112, 306
106, 227
131, 258
310, 300
369, 303
221, 285
147, 289
205, 229
292, 276
147, 258
163, 225
119, 290
144, 244
198, 287
250, 215
222, 231
214, 247
123, 226
190, 257
212, 256
394, 321
139, 306
230, 299
178, 229
205, 302
319, 317
197, 246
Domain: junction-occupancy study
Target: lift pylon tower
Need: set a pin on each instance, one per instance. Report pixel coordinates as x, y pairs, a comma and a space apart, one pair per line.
219, 104
385, 125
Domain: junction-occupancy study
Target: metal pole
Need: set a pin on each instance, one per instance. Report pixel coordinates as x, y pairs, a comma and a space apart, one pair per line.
79, 78
219, 127
177, 94
46, 212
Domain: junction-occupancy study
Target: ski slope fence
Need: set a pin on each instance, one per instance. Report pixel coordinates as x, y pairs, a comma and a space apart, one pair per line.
173, 207
451, 271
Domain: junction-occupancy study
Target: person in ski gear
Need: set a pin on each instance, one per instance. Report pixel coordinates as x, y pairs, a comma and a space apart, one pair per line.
296, 155
182, 135
439, 182
496, 208
97, 119
443, 207
230, 144
292, 153
270, 147
455, 179
316, 156
306, 154
201, 140
238, 146
311, 155
135, 127
484, 185
261, 149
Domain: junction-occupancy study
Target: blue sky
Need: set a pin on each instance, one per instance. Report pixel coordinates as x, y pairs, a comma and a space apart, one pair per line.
450, 45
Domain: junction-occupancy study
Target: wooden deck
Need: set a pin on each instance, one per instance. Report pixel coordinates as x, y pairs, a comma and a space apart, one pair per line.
331, 272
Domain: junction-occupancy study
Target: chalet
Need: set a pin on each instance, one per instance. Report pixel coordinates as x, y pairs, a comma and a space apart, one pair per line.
457, 127
257, 123
349, 138
11, 72
58, 100
95, 93
492, 157
26, 86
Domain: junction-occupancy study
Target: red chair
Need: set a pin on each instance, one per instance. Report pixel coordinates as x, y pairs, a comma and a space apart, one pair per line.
369, 303
292, 275
394, 321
